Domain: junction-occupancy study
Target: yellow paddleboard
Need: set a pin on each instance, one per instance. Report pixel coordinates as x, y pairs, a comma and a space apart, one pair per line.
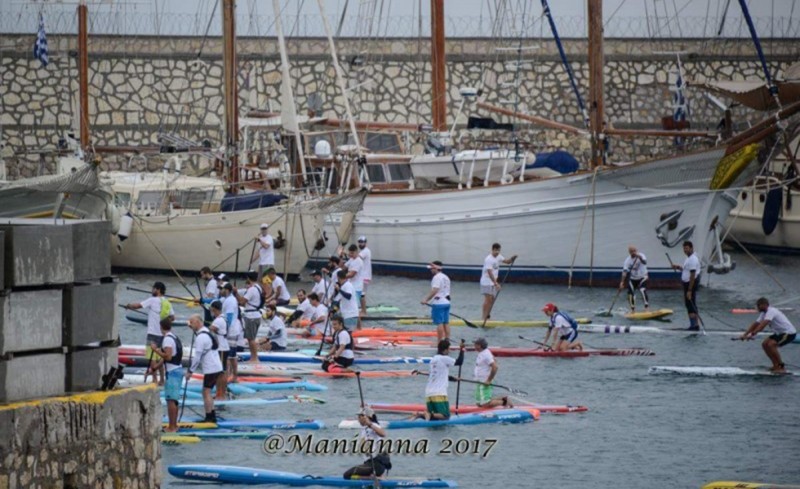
659, 313
747, 485
494, 324
195, 425
173, 439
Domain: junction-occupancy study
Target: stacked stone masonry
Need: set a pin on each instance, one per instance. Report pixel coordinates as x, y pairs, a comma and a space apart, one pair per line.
98, 441
141, 84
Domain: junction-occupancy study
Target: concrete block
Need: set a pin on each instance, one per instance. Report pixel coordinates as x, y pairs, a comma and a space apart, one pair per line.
37, 254
31, 377
30, 320
90, 314
85, 368
92, 247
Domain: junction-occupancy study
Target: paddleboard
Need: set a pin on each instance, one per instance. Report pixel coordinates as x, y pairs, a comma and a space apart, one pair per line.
261, 369
242, 387
713, 371
483, 417
365, 374
382, 308
199, 424
645, 315
755, 311
254, 402
492, 323
142, 319
464, 409
530, 352
303, 358
246, 475
224, 433
618, 329
747, 485
173, 439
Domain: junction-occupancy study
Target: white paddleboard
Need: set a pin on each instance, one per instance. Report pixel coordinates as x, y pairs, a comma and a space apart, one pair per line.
713, 371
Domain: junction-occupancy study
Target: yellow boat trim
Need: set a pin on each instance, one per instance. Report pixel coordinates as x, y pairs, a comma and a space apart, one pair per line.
731, 166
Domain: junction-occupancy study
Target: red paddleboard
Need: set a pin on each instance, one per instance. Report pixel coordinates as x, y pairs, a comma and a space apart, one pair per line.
466, 409
372, 374
530, 352
380, 332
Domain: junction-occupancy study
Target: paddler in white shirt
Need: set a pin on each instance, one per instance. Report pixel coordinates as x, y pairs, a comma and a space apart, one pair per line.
207, 360
489, 277
370, 443
439, 300
784, 333
485, 371
634, 277
437, 405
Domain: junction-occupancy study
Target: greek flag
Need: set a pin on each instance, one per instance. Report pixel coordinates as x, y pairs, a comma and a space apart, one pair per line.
40, 47
678, 99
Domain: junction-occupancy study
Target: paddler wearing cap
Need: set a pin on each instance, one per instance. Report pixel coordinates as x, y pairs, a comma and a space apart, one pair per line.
158, 308
563, 328
437, 405
370, 443
485, 371
439, 300
266, 251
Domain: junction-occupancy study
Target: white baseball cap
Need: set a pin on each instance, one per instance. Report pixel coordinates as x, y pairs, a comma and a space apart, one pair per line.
362, 238
264, 226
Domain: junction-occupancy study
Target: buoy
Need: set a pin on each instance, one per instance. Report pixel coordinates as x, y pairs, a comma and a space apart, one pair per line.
125, 226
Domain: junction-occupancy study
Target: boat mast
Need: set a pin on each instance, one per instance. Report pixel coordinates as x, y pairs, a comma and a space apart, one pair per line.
231, 95
438, 66
83, 75
596, 108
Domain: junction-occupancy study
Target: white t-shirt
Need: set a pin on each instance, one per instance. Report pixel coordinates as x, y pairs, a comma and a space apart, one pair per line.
437, 378
222, 332
356, 265
266, 256
483, 365
348, 308
284, 294
230, 305
777, 321
153, 307
205, 360
277, 331
691, 263
320, 312
491, 263
343, 337
368, 434
253, 297
636, 268
332, 280
366, 255
212, 290
560, 323
442, 282
319, 289
306, 308
169, 342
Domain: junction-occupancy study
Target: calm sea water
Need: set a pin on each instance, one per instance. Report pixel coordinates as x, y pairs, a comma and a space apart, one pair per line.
641, 430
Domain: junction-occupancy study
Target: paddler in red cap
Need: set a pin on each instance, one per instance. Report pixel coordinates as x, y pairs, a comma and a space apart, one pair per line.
563, 328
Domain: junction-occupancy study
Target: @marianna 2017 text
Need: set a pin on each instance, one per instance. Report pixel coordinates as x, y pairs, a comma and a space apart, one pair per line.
309, 444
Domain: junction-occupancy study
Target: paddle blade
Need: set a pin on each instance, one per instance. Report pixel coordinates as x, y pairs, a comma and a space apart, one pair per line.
306, 399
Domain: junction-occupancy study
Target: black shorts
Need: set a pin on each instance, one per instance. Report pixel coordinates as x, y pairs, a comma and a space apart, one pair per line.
691, 305
210, 380
344, 362
783, 338
281, 302
224, 356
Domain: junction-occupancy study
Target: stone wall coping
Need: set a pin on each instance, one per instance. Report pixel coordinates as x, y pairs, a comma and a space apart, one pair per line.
98, 397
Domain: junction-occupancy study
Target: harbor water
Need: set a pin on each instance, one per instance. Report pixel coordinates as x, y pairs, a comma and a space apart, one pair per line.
641, 430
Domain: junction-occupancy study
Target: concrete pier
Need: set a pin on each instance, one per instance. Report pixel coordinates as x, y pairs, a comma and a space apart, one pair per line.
107, 440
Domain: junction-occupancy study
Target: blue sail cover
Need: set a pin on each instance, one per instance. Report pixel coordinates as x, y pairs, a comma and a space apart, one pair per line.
558, 160
253, 200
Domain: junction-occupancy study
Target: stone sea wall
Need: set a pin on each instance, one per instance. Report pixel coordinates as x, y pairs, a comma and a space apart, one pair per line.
100, 440
139, 85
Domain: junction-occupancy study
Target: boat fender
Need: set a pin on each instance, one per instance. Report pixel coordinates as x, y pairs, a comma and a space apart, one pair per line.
280, 241
125, 226
506, 179
725, 266
772, 210
113, 216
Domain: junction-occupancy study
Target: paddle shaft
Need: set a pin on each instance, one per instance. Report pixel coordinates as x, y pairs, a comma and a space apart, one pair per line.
468, 323
361, 396
537, 342
186, 385
509, 389
458, 384
184, 299
494, 299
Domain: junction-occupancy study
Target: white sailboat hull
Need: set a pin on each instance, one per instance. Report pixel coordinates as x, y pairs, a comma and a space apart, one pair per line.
190, 242
746, 223
559, 227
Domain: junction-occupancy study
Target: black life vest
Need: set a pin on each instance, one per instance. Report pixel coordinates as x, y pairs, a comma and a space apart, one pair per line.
177, 356
349, 345
214, 341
